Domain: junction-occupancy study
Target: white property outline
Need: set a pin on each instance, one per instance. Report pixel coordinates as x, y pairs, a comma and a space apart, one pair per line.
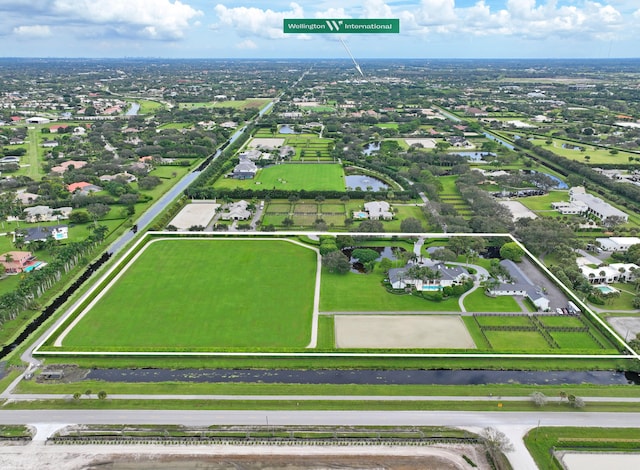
316, 297
630, 352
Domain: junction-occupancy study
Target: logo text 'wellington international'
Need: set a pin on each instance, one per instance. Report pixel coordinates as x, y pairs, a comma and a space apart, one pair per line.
342, 26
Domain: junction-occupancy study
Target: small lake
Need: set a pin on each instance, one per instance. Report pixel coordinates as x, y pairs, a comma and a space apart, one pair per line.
383, 252
133, 110
371, 148
380, 377
500, 141
365, 182
572, 147
286, 129
559, 183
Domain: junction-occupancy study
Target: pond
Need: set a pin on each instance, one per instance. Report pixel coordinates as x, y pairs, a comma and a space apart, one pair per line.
286, 129
383, 252
559, 183
371, 148
572, 147
365, 183
379, 377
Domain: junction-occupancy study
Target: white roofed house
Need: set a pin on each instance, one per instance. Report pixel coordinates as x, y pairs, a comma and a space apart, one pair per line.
237, 211
378, 210
595, 206
427, 278
618, 243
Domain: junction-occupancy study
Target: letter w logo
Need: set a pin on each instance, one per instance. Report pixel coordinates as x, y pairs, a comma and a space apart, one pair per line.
333, 25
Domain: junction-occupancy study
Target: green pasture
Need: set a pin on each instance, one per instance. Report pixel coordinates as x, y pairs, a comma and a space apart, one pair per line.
176, 125
543, 441
503, 320
353, 292
560, 321
596, 155
543, 203
148, 106
574, 340
293, 177
404, 212
235, 104
517, 340
205, 295
478, 301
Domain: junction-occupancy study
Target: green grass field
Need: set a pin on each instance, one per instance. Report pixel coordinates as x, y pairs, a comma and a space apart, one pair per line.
517, 341
235, 104
353, 292
294, 177
478, 301
596, 155
206, 295
543, 203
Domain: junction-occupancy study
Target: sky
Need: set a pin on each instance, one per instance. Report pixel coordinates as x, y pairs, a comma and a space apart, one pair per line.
253, 29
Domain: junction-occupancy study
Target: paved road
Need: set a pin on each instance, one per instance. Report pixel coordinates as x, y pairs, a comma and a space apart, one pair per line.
514, 424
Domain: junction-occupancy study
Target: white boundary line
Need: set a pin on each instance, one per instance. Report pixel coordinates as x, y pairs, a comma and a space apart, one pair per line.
275, 235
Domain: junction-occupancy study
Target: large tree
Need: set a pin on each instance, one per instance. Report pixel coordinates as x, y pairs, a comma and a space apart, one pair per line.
336, 262
411, 225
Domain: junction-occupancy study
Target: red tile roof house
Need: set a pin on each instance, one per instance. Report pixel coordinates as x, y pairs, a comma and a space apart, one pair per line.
54, 129
18, 261
83, 187
64, 166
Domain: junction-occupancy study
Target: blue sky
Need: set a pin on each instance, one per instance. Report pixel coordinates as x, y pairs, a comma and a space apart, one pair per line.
250, 29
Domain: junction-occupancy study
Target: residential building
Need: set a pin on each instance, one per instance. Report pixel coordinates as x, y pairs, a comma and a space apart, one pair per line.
617, 243
46, 213
520, 285
581, 202
378, 210
615, 272
57, 232
236, 211
15, 262
244, 170
400, 278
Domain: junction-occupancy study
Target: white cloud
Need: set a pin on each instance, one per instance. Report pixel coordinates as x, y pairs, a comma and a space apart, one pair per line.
255, 21
247, 44
33, 31
156, 19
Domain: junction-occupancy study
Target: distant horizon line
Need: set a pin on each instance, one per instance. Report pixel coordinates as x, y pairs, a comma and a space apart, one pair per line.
310, 58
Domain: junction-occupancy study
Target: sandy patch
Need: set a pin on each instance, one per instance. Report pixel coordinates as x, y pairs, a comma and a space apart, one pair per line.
195, 214
519, 210
627, 327
266, 143
426, 143
161, 457
401, 332
598, 461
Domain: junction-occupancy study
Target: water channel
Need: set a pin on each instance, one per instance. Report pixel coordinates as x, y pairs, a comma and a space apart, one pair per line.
365, 377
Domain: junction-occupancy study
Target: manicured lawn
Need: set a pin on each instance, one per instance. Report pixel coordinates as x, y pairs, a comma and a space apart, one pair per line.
517, 340
404, 212
564, 321
206, 295
574, 340
542, 441
294, 177
364, 292
596, 155
503, 320
478, 301
235, 104
543, 203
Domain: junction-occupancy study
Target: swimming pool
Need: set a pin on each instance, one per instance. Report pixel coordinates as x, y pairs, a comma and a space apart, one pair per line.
605, 289
35, 265
431, 288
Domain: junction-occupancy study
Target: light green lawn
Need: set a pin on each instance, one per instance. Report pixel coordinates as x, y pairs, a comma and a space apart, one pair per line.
478, 301
206, 295
294, 177
543, 203
596, 155
353, 292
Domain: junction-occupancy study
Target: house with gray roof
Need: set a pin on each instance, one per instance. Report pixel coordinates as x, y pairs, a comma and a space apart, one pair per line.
245, 170
378, 210
57, 232
520, 285
236, 211
400, 278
